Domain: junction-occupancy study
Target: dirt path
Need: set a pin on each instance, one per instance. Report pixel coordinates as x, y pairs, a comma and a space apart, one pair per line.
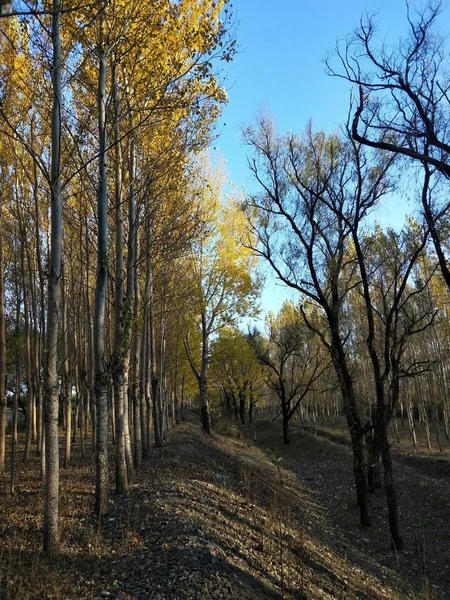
209, 518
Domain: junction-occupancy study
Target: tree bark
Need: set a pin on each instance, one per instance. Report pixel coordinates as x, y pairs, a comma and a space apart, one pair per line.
51, 402
3, 400
67, 387
389, 489
40, 336
26, 315
206, 417
119, 389
286, 433
144, 372
15, 413
360, 475
203, 379
151, 347
355, 428
242, 406
132, 307
100, 367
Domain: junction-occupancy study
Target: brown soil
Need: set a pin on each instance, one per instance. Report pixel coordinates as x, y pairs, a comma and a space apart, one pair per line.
218, 518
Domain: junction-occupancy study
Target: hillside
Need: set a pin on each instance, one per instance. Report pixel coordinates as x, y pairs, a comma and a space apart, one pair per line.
216, 518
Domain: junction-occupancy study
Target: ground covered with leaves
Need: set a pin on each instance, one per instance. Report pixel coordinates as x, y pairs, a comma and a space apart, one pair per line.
224, 517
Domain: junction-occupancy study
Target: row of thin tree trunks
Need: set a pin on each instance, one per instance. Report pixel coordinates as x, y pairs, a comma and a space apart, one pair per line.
78, 419
95, 342
423, 408
368, 447
30, 286
143, 410
77, 371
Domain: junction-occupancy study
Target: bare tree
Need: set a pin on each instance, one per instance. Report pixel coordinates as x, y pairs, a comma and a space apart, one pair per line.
310, 222
300, 218
294, 363
403, 103
386, 262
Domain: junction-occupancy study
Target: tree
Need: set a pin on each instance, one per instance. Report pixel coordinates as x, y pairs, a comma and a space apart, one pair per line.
221, 277
310, 187
403, 105
134, 82
323, 191
236, 371
51, 400
51, 406
387, 261
294, 362
13, 70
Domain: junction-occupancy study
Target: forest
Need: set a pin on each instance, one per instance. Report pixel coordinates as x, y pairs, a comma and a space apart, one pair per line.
163, 436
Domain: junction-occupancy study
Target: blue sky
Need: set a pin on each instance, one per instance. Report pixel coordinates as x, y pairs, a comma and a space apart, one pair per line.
280, 69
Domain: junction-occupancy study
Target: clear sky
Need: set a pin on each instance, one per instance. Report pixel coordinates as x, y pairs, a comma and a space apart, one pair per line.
280, 69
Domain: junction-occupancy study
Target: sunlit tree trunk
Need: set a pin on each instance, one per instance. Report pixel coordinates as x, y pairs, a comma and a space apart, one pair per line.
3, 403
119, 306
203, 380
151, 362
154, 371
66, 383
100, 367
144, 371
16, 400
51, 403
133, 351
90, 396
41, 336
131, 312
26, 314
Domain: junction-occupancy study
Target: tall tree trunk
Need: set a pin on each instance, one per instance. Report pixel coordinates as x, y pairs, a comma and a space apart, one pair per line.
389, 489
203, 380
37, 382
51, 403
41, 336
251, 405
285, 416
119, 389
90, 397
33, 347
136, 400
130, 312
154, 378
78, 367
354, 426
163, 405
144, 374
16, 395
26, 314
15, 414
183, 381
100, 367
360, 475
206, 417
242, 407
151, 346
373, 442
67, 386
3, 401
